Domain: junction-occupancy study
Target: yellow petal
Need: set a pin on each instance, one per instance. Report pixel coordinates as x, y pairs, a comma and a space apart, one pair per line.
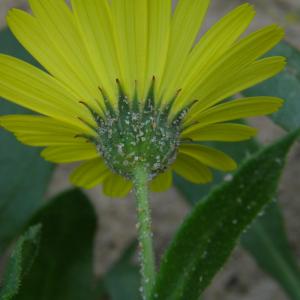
238, 109
116, 186
192, 169
32, 88
130, 20
186, 23
225, 132
94, 21
61, 50
213, 45
159, 35
208, 156
43, 131
240, 56
162, 182
67, 154
90, 174
237, 82
255, 73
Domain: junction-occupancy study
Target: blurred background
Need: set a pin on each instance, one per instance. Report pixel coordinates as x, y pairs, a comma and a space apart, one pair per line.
241, 278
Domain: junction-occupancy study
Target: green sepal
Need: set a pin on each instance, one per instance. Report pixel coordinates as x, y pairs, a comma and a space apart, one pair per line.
123, 102
109, 110
149, 105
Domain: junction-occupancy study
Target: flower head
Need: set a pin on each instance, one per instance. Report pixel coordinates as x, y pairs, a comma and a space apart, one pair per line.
125, 85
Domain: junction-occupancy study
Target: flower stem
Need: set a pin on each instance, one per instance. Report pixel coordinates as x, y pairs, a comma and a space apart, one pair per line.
144, 231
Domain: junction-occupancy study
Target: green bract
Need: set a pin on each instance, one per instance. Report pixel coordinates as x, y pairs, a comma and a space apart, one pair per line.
137, 134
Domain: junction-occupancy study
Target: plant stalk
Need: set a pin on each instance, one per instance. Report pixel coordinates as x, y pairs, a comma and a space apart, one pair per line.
144, 231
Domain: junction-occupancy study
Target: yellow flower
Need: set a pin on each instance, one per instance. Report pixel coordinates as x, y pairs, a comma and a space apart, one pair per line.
125, 84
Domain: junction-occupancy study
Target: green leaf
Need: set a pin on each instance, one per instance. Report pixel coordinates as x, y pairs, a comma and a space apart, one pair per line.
269, 245
260, 232
20, 262
285, 85
209, 234
122, 281
63, 268
24, 176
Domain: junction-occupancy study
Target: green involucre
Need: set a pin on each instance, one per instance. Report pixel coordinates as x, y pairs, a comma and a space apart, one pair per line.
136, 134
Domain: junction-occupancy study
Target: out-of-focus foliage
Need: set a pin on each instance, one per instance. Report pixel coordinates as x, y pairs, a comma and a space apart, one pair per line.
268, 244
63, 267
122, 281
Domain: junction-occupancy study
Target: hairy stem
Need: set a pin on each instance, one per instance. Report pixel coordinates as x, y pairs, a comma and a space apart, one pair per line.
144, 231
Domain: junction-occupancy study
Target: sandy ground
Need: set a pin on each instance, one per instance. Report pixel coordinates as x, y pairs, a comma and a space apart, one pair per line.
241, 278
